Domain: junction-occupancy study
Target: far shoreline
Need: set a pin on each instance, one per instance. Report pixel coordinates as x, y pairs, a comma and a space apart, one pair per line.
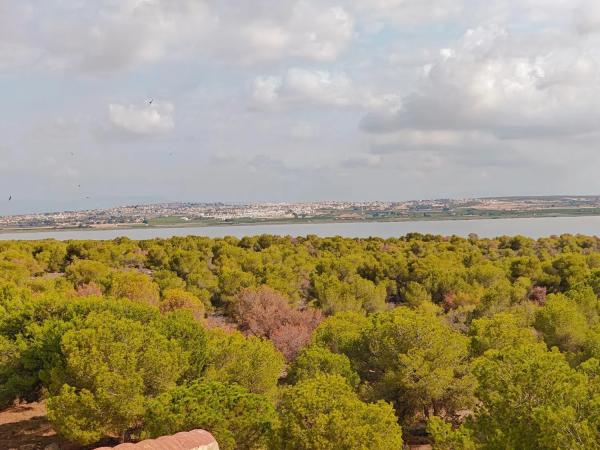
240, 223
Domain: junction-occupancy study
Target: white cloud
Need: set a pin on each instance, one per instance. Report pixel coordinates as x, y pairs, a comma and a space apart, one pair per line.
587, 17
265, 89
151, 119
410, 12
410, 139
302, 131
494, 82
414, 13
439, 106
109, 35
363, 161
319, 33
15, 50
317, 87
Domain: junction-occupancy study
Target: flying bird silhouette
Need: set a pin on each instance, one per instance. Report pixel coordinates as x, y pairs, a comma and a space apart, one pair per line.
150, 101
9, 198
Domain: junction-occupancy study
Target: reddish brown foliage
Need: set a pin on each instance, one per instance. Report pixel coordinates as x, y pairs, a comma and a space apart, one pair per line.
260, 311
290, 339
538, 295
265, 313
449, 301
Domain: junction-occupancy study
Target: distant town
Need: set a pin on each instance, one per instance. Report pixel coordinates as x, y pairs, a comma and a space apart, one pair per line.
197, 214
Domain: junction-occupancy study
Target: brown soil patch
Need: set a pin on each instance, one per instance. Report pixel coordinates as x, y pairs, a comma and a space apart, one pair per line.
26, 427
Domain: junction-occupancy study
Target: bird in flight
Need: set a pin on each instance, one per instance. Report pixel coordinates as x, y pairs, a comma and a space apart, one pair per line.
9, 198
150, 101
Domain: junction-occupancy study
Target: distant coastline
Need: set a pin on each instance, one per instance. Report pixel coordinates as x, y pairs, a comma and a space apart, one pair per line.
164, 224
192, 214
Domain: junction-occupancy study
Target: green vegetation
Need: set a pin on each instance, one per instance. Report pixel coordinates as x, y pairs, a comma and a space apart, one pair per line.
237, 418
308, 343
324, 413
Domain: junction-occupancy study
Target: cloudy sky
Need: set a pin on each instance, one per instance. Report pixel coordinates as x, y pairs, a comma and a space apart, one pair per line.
289, 100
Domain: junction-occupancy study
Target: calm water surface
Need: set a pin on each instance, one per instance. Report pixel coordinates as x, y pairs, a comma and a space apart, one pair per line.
484, 228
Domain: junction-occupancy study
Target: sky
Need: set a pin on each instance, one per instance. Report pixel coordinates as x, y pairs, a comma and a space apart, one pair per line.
112, 102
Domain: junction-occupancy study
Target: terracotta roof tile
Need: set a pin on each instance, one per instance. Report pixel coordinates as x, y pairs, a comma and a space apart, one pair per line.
188, 440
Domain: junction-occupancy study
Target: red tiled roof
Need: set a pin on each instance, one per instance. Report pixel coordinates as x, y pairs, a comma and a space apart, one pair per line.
188, 440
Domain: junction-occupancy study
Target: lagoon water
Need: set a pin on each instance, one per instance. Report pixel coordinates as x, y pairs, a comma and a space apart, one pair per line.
532, 227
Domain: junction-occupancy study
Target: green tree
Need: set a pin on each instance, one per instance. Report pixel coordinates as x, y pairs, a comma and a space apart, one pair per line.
29, 360
174, 299
530, 398
51, 254
111, 366
586, 300
351, 294
167, 280
183, 328
594, 281
251, 362
15, 380
417, 362
447, 437
342, 332
562, 324
323, 413
525, 266
237, 418
82, 271
415, 294
566, 271
314, 360
501, 331
232, 281
134, 286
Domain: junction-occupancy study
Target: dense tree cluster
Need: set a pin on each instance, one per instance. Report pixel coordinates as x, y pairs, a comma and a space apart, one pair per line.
308, 343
